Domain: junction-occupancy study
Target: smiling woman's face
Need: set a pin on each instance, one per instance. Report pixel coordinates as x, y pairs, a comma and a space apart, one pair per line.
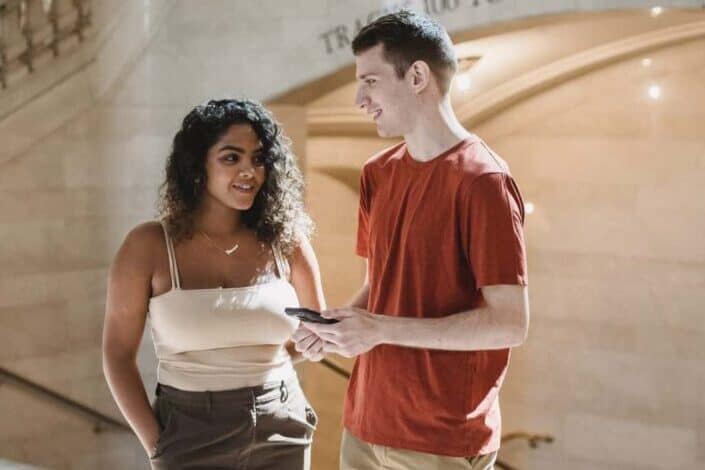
235, 168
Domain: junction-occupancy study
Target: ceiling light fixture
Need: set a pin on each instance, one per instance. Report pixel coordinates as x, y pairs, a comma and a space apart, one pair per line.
654, 92
463, 81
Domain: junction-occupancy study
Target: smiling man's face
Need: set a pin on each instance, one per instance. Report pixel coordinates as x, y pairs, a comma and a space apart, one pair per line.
387, 98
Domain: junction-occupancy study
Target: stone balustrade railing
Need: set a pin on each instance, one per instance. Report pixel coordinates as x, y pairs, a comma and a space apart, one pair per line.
33, 32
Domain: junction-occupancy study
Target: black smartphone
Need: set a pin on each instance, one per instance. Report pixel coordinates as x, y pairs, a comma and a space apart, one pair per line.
306, 314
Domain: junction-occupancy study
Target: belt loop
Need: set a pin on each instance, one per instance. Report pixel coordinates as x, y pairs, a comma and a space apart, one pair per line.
209, 400
158, 390
284, 392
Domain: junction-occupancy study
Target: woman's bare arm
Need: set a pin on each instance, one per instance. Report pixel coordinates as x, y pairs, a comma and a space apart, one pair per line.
306, 279
129, 290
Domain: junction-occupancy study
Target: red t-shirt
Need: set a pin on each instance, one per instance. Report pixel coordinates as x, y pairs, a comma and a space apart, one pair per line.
434, 233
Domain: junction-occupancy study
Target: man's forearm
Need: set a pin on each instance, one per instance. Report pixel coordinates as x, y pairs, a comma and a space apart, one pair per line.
501, 322
483, 328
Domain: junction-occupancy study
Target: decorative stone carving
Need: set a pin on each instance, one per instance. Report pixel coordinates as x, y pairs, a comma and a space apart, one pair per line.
65, 18
39, 32
13, 44
32, 32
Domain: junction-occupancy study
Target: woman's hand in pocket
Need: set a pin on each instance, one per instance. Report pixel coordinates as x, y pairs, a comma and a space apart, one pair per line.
150, 438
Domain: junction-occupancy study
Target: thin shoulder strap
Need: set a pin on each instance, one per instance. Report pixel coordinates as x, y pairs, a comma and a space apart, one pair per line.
282, 263
173, 268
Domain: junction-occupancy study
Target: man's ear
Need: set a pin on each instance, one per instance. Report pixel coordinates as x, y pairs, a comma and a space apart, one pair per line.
419, 75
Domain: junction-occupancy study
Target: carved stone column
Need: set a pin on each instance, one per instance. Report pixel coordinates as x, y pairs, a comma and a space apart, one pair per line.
13, 44
84, 8
39, 32
65, 17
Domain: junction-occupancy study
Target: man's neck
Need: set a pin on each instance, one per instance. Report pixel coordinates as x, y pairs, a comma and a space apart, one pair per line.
436, 130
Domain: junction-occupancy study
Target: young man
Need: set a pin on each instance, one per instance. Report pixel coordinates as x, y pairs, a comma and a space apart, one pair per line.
440, 223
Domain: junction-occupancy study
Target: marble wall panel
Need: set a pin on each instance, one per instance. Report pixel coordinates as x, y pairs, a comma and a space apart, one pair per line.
609, 440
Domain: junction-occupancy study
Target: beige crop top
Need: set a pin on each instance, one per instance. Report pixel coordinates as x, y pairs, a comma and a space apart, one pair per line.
223, 338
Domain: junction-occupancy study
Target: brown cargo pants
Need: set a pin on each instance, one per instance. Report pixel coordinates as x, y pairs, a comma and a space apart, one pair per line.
268, 427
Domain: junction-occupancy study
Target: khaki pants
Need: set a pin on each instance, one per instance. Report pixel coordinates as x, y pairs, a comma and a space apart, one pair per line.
360, 455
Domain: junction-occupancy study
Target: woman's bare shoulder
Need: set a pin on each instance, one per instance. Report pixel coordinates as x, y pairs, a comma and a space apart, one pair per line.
144, 240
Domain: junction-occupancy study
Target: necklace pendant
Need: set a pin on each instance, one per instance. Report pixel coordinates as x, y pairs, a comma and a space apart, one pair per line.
232, 250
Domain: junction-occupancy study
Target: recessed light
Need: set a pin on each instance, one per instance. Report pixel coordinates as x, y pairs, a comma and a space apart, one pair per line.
463, 82
654, 92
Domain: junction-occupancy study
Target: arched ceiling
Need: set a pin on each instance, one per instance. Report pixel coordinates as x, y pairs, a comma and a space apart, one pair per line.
515, 61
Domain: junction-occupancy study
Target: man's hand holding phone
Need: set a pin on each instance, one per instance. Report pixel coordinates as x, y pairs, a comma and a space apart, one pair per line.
305, 340
351, 332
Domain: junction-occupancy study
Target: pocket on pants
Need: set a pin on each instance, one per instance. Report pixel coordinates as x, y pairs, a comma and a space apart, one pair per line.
165, 418
301, 411
292, 422
307, 417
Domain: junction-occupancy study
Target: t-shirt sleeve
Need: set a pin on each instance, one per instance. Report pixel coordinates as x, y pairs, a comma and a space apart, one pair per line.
492, 218
363, 216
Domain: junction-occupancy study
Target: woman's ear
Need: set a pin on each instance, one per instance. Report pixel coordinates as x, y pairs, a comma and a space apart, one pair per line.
419, 76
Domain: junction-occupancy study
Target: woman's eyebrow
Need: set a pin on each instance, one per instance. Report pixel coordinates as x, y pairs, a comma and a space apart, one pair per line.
238, 149
231, 147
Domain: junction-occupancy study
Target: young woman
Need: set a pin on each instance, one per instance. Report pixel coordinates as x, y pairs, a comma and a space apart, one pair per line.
214, 275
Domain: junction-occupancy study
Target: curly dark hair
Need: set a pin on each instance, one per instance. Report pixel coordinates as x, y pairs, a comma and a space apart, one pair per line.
277, 215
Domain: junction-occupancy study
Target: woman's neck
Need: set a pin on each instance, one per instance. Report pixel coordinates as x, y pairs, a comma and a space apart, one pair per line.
214, 218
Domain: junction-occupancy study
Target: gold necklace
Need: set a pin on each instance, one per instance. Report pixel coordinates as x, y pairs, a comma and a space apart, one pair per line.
228, 252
